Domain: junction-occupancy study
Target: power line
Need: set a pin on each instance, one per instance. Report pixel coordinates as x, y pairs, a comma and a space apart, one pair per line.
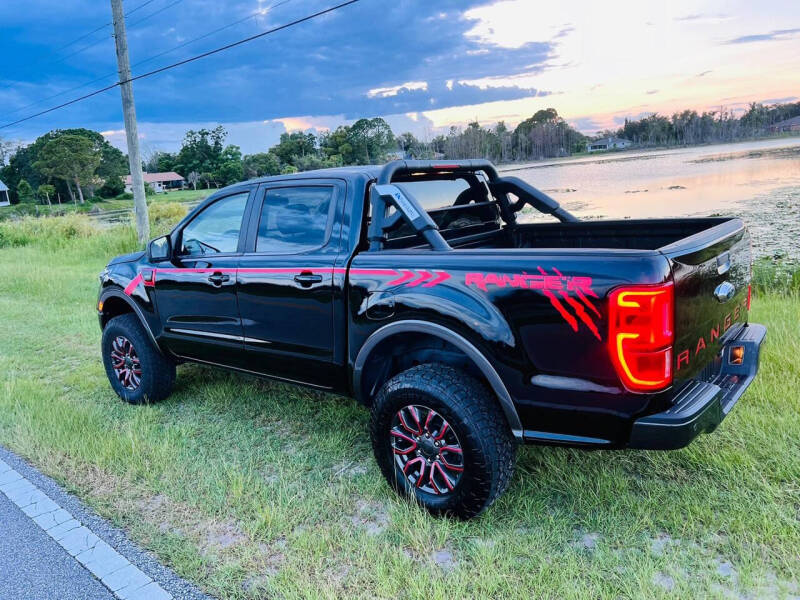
153, 57
103, 39
93, 31
153, 14
101, 78
210, 33
187, 60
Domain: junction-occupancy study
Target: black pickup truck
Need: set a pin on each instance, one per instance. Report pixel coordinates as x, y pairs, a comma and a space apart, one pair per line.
417, 288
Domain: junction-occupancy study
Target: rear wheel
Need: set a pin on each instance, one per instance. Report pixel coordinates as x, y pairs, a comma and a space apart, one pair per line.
439, 436
137, 371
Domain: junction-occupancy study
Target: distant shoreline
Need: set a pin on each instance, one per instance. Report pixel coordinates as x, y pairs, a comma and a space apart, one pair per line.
633, 152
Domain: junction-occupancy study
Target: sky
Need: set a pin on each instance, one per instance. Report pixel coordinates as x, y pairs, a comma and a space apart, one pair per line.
423, 65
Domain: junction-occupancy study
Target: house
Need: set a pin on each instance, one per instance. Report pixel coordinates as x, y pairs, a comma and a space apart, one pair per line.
609, 143
4, 200
786, 126
160, 182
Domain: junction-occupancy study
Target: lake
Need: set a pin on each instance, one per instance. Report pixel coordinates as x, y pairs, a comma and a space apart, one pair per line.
758, 181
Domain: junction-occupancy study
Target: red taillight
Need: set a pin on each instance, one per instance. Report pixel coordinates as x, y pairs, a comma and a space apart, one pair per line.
640, 335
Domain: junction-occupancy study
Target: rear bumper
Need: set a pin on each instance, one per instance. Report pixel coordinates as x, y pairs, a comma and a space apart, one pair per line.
701, 405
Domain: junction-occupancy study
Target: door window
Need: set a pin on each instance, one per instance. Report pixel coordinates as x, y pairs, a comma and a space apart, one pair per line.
294, 219
216, 229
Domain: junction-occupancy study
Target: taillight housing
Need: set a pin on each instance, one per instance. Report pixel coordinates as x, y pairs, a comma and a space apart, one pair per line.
640, 335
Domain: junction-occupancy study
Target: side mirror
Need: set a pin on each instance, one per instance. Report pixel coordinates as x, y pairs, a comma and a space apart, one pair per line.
159, 249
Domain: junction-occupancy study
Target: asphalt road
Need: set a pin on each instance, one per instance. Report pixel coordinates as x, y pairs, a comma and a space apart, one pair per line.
33, 566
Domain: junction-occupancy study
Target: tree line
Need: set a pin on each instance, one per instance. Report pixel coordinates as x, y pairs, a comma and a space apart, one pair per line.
204, 159
688, 127
64, 165
70, 164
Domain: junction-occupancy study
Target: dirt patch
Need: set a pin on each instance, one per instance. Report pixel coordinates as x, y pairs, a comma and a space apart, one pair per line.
586, 541
662, 542
337, 576
162, 512
349, 469
371, 516
664, 581
271, 556
725, 569
445, 559
220, 535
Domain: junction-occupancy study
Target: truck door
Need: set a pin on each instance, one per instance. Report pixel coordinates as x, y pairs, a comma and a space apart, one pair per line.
285, 280
196, 292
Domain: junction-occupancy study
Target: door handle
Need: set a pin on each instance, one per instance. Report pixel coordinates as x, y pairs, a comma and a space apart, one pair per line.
219, 278
307, 278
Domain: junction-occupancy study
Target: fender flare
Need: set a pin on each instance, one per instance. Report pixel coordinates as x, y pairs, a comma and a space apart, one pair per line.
117, 293
448, 335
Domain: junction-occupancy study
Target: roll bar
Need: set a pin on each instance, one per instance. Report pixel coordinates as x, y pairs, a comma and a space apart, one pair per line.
384, 195
528, 194
431, 166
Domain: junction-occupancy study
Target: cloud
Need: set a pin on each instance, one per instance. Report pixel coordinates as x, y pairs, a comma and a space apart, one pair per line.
777, 35
703, 18
327, 66
780, 100
385, 92
586, 124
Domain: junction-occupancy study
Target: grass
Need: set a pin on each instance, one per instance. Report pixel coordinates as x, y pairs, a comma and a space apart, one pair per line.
254, 489
98, 205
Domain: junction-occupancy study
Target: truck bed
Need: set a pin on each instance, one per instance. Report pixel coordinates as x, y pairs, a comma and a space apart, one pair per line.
644, 234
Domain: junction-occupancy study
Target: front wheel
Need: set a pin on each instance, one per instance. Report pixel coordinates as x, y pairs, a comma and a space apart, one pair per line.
137, 371
439, 436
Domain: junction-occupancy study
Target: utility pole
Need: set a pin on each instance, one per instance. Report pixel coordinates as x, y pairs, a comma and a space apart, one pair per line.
131, 129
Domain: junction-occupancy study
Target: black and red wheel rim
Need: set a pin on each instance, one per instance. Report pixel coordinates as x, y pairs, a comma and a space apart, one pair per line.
125, 363
426, 449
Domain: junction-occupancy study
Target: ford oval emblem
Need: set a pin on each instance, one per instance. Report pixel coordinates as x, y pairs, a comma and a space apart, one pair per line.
724, 291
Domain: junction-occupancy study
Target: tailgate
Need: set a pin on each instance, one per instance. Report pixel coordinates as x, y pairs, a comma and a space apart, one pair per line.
711, 271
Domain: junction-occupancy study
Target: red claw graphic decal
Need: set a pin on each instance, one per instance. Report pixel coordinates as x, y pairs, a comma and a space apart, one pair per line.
422, 277
568, 295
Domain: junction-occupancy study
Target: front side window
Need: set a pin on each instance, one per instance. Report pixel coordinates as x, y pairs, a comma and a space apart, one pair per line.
216, 229
294, 219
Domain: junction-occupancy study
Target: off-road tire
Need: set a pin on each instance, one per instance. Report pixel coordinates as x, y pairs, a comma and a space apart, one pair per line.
472, 411
157, 370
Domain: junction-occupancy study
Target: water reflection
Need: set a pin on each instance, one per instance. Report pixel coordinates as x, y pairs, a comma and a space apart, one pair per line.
705, 180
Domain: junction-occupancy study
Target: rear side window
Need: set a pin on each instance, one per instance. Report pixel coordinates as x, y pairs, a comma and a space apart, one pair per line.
453, 204
435, 194
294, 219
216, 229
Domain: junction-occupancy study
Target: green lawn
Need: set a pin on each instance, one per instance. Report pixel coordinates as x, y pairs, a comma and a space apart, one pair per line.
112, 204
179, 196
254, 489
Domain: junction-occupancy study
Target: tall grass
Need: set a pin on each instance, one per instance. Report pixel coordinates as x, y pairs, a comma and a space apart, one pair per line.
81, 234
776, 277
46, 232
